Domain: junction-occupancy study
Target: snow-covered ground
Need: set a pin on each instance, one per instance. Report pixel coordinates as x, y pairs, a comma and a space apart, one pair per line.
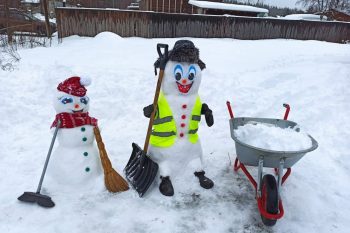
256, 76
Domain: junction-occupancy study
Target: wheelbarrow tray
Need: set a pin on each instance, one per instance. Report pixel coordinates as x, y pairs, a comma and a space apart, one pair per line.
249, 155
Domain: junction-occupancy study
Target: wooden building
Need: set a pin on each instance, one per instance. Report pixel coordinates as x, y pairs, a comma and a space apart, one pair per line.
337, 15
121, 4
220, 8
212, 7
10, 3
169, 6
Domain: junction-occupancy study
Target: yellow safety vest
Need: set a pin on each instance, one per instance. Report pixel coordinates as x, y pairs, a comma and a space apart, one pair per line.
164, 127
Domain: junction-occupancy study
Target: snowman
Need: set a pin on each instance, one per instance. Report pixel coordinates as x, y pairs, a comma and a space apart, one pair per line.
174, 141
75, 161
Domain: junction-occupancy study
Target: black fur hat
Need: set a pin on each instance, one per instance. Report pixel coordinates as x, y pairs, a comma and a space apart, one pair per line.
184, 51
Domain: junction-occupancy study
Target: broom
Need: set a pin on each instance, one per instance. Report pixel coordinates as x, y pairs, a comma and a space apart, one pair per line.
113, 181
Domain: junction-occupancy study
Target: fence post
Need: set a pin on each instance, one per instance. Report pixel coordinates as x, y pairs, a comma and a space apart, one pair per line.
47, 22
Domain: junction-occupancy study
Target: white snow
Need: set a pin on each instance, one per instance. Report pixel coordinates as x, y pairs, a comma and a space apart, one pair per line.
305, 17
271, 137
226, 6
278, 3
42, 17
30, 1
256, 76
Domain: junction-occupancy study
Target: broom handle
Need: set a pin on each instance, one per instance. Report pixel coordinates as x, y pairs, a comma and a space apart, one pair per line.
106, 163
155, 105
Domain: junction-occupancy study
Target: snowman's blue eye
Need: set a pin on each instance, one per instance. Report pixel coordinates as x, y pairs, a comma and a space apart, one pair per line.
84, 100
66, 100
178, 72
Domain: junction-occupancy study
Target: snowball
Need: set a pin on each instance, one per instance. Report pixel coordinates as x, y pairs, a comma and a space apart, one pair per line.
271, 137
85, 81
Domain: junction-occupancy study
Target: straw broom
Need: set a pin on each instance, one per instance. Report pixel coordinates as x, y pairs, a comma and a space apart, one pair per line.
113, 181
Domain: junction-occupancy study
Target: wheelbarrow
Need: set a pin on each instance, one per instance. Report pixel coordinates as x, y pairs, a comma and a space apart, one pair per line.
268, 190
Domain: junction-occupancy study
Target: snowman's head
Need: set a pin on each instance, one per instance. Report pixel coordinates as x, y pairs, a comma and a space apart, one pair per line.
182, 73
71, 96
64, 102
181, 78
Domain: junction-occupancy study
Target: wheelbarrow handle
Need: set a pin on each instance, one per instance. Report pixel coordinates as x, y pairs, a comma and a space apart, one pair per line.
286, 112
229, 109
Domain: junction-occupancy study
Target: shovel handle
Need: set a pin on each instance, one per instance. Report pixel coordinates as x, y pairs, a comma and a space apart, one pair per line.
163, 59
163, 56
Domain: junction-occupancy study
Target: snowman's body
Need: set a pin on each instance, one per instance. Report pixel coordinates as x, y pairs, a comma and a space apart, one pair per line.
172, 160
75, 163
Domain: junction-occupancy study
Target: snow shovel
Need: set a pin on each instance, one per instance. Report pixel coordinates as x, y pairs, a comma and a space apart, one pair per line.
113, 181
37, 197
141, 170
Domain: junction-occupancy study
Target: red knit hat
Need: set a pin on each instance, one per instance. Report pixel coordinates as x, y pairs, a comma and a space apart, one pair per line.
74, 86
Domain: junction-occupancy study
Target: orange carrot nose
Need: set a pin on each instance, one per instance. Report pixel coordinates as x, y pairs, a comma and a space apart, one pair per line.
76, 106
184, 81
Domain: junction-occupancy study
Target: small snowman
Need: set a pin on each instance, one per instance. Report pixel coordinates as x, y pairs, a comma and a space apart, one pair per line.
75, 161
174, 139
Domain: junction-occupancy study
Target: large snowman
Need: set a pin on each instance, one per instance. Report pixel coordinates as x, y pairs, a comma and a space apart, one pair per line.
174, 140
75, 162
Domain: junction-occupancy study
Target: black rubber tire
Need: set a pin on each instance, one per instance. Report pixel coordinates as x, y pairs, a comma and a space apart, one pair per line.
269, 189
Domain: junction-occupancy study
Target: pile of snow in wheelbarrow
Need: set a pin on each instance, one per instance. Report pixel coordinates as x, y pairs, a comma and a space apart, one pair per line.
256, 76
270, 137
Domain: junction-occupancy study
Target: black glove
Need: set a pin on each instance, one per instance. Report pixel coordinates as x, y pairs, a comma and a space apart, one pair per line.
147, 111
208, 113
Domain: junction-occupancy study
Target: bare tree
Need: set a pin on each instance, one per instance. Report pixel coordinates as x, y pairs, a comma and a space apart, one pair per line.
325, 5
8, 54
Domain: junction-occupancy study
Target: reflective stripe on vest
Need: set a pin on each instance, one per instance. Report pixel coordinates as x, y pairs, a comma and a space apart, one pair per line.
196, 118
162, 120
192, 131
163, 134
164, 127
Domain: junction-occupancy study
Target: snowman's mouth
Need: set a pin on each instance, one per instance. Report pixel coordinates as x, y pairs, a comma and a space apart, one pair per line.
81, 110
184, 88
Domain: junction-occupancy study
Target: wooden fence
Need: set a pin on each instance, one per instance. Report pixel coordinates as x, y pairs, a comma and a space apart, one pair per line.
90, 22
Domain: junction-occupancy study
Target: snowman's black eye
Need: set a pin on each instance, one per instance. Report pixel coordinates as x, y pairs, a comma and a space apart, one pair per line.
178, 76
192, 73
66, 100
84, 100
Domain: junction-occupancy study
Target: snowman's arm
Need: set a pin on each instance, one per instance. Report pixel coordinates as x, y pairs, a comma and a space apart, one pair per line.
208, 113
147, 111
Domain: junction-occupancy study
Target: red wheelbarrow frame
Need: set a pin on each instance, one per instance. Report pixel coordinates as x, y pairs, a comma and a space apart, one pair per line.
261, 198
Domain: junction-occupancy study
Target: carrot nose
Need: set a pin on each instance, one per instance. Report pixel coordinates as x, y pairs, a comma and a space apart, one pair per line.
76, 106
184, 81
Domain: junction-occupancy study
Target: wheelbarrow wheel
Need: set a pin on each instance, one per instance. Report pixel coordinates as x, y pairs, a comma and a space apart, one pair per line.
269, 198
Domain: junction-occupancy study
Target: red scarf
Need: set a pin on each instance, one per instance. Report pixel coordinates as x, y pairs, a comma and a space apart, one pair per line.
72, 120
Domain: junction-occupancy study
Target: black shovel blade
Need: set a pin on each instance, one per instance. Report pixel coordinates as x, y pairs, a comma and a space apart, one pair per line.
143, 172
41, 199
149, 179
